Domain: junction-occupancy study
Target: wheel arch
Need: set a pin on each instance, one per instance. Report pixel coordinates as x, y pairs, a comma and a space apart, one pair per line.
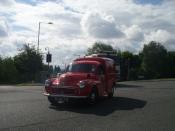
95, 88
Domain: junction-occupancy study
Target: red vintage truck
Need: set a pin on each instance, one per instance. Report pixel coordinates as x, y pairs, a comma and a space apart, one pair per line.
85, 78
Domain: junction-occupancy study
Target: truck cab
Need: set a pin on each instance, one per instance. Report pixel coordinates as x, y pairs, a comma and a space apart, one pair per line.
85, 78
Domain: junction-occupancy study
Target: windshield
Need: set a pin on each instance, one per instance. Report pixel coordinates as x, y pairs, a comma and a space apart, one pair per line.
86, 68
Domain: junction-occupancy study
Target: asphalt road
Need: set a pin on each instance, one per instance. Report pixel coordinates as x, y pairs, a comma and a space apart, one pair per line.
137, 106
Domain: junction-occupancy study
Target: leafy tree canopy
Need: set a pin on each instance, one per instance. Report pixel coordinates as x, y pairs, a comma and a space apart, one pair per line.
99, 47
154, 59
28, 62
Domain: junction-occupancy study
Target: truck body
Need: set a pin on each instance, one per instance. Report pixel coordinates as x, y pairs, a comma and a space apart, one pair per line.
112, 55
87, 77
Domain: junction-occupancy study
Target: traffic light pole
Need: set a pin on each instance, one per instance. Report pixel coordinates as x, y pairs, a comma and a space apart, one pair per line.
48, 58
48, 64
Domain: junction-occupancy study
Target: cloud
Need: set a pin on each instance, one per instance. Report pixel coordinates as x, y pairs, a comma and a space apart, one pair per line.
134, 33
164, 37
99, 26
124, 24
6, 2
159, 35
153, 2
7, 48
3, 29
66, 50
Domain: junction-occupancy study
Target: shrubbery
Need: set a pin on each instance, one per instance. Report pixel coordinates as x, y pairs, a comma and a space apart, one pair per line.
154, 61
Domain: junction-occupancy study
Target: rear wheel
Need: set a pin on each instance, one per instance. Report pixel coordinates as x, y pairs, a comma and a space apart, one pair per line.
52, 101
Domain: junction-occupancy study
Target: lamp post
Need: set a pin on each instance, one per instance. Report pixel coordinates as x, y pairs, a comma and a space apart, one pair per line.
39, 27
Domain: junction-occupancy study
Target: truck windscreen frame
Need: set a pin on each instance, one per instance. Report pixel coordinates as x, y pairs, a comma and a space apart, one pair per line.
81, 67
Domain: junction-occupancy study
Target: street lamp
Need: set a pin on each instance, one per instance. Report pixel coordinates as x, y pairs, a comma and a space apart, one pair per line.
39, 32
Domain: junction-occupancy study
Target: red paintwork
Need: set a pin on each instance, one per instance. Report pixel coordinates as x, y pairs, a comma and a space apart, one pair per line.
67, 83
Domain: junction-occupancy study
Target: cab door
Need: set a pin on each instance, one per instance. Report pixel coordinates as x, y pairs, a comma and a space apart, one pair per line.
102, 80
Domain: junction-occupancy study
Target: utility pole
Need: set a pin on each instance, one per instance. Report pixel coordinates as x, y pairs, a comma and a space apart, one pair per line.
39, 28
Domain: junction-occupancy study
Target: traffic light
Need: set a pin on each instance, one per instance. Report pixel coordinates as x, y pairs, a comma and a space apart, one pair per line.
49, 58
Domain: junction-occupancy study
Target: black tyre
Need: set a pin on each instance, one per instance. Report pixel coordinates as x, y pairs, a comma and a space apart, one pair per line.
52, 101
111, 94
93, 97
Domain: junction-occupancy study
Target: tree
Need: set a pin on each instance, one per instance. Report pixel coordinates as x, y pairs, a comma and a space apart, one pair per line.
171, 64
129, 65
8, 71
57, 69
126, 57
154, 60
1, 70
99, 47
28, 62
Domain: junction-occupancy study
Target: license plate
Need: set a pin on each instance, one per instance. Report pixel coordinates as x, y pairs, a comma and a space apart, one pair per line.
60, 100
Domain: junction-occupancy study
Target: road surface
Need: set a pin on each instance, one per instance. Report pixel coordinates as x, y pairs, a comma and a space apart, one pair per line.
136, 106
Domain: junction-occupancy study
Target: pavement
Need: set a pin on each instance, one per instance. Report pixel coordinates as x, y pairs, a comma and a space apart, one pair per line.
136, 106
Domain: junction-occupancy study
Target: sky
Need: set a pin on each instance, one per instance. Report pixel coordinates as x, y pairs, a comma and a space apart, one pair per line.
77, 24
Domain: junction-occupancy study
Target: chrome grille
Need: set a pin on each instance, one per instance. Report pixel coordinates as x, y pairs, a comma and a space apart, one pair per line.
64, 91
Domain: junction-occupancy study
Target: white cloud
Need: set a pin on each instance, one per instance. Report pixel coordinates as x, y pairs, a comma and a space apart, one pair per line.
134, 33
6, 2
78, 24
159, 35
99, 26
163, 36
6, 48
3, 29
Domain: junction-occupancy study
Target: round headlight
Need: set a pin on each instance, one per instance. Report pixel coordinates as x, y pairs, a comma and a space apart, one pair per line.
81, 84
47, 83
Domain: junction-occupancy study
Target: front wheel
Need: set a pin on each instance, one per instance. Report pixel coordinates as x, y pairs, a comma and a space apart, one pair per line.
93, 97
111, 94
52, 101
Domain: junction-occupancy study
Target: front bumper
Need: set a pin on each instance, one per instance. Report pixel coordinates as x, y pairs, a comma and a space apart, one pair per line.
64, 96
